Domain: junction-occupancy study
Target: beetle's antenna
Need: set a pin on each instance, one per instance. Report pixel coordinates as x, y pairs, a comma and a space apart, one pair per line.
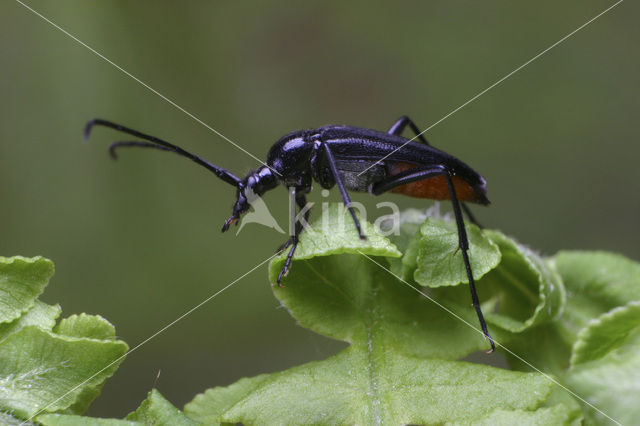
158, 143
115, 145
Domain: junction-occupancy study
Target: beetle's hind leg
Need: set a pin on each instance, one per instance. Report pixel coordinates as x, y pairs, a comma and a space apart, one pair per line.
398, 128
470, 215
301, 201
421, 173
401, 124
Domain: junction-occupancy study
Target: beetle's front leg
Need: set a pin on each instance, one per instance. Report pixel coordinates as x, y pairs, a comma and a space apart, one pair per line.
292, 219
301, 201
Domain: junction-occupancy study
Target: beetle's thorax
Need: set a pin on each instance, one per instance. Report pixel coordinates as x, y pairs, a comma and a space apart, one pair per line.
290, 158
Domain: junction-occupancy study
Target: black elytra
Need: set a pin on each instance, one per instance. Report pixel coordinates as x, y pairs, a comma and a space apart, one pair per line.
353, 159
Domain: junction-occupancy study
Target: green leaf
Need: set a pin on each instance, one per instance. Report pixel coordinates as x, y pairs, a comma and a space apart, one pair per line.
44, 367
156, 410
544, 347
605, 367
335, 233
556, 415
408, 242
606, 333
352, 298
40, 315
596, 282
360, 387
43, 370
440, 262
527, 291
83, 325
22, 279
610, 382
89, 327
374, 306
596, 335
8, 420
210, 406
399, 368
74, 420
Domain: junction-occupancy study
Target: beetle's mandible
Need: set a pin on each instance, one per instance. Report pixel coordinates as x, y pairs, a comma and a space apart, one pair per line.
353, 159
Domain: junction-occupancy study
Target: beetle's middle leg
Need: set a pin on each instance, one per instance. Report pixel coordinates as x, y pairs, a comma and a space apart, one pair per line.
345, 195
422, 173
301, 202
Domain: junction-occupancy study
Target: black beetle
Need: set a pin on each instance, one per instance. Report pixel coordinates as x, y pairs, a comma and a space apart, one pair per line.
354, 159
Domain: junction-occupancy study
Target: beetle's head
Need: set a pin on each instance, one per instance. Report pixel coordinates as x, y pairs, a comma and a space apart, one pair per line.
249, 189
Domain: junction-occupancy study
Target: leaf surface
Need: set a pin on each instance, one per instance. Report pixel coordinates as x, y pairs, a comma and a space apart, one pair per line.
401, 365
44, 367
605, 365
439, 261
154, 410
40, 369
529, 292
40, 315
83, 325
22, 279
358, 387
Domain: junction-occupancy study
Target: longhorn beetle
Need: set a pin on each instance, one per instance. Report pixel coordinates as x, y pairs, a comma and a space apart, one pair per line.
351, 158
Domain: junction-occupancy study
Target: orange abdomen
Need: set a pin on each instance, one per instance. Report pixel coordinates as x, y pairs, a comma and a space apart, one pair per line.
434, 188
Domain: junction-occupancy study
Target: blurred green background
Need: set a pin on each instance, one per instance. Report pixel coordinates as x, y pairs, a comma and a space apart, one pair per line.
138, 241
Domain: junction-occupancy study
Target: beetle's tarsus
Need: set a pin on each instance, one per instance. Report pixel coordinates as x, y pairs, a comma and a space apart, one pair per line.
493, 345
284, 246
283, 273
228, 223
